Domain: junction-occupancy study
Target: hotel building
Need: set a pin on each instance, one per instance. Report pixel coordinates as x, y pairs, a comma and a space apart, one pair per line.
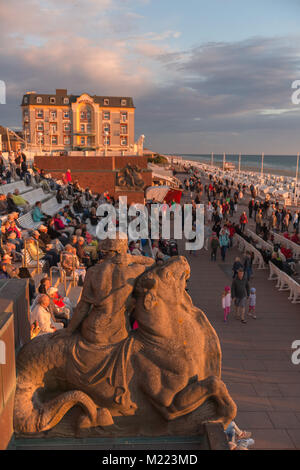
62, 122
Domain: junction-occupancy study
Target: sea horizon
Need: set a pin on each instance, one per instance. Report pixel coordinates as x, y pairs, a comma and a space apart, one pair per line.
285, 163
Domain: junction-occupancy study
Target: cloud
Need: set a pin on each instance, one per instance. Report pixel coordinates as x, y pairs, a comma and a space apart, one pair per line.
231, 89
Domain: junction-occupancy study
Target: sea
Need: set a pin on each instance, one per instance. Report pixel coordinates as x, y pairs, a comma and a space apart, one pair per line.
284, 163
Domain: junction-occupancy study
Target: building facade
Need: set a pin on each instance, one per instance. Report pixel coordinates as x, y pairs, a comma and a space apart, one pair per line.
62, 122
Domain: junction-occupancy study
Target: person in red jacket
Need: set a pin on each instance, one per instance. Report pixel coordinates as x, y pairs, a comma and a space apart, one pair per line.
243, 221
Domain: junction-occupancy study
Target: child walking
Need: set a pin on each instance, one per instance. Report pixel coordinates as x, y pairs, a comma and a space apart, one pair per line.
252, 302
226, 302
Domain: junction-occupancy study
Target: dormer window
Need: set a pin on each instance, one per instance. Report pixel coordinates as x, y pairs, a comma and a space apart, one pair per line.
123, 102
26, 99
106, 102
52, 100
66, 100
39, 100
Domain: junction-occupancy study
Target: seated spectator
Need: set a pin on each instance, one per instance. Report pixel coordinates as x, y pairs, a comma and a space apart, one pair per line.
47, 249
61, 314
3, 204
60, 226
20, 202
11, 206
70, 263
42, 316
37, 214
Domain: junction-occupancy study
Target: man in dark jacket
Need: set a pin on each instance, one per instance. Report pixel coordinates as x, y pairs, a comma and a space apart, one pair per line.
240, 291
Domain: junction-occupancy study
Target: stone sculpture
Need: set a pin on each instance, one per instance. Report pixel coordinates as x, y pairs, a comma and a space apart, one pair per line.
162, 379
130, 177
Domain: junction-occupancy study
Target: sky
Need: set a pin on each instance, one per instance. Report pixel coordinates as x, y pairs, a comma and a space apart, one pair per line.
205, 76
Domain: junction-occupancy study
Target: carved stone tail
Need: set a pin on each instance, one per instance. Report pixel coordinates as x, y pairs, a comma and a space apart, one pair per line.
37, 417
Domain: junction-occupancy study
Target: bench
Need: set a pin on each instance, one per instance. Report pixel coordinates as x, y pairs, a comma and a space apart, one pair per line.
51, 207
10, 188
243, 245
288, 244
285, 283
27, 223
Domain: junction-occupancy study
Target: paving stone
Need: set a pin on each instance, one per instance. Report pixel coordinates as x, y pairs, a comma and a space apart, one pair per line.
267, 390
254, 419
273, 439
295, 436
284, 419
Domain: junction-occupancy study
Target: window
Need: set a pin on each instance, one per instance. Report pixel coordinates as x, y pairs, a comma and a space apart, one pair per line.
52, 100
67, 127
39, 100
82, 115
53, 115
124, 141
106, 115
89, 141
82, 128
89, 128
106, 141
39, 114
26, 99
40, 138
106, 128
123, 129
40, 126
82, 141
26, 116
66, 115
123, 102
67, 140
66, 100
106, 102
54, 139
89, 115
53, 128
123, 117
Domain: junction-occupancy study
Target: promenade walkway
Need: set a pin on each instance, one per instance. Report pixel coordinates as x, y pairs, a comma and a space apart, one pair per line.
256, 366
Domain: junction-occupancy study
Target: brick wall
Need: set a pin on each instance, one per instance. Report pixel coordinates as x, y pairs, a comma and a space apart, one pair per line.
96, 173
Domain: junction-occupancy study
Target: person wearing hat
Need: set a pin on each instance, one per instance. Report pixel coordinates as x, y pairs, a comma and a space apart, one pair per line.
61, 314
240, 291
7, 266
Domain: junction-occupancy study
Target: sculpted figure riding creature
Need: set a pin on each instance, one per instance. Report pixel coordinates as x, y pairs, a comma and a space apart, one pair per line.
162, 379
130, 177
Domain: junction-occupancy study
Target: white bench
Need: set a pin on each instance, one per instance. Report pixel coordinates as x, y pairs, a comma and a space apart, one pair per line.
243, 245
285, 283
258, 239
36, 195
288, 244
10, 188
51, 207
26, 222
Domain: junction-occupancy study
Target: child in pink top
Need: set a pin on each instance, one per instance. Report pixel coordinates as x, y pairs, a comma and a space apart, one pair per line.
226, 302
